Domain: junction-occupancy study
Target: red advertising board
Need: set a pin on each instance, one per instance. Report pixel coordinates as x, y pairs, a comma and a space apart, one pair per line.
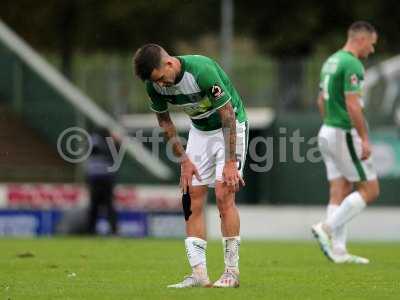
65, 196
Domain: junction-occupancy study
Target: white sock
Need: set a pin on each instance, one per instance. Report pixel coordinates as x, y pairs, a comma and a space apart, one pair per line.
196, 254
231, 252
351, 206
339, 236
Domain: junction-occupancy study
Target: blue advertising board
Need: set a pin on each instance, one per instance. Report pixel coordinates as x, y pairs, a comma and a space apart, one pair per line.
28, 222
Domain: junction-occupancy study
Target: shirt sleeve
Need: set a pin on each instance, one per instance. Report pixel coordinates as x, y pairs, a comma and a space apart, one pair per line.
353, 76
210, 82
157, 102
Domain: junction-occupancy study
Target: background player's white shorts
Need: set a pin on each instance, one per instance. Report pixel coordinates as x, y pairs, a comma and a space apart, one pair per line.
206, 149
341, 152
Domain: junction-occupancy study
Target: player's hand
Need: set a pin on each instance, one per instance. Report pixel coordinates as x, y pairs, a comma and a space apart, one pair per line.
188, 169
231, 177
365, 149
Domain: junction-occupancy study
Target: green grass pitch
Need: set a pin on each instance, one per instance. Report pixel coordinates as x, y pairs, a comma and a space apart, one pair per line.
113, 268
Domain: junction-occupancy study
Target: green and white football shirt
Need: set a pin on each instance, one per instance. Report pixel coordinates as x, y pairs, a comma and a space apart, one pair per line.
202, 89
341, 73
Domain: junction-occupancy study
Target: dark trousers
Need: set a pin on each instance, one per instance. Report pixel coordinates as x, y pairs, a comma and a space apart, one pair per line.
101, 198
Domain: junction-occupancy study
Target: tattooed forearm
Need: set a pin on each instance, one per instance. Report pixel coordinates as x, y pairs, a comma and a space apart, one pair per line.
228, 121
174, 141
165, 123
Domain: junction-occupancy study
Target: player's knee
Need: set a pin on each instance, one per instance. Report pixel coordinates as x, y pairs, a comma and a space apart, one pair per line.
370, 191
197, 200
374, 191
347, 190
225, 208
224, 202
196, 208
219, 195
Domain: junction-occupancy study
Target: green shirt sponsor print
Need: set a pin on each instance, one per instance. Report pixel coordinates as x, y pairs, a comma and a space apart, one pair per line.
203, 88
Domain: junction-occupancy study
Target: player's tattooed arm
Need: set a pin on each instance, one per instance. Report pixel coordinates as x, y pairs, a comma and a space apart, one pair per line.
188, 169
168, 126
228, 121
230, 173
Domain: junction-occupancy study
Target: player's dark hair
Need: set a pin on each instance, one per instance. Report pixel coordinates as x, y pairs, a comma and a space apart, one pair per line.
359, 26
146, 59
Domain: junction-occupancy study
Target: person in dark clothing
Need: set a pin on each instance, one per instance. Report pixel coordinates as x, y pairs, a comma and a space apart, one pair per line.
101, 180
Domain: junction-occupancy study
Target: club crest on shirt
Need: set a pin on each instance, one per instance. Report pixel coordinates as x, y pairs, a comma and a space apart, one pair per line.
354, 79
217, 91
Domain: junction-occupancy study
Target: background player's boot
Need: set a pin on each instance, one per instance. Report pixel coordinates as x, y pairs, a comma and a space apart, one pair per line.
354, 259
340, 255
324, 239
348, 258
229, 279
192, 281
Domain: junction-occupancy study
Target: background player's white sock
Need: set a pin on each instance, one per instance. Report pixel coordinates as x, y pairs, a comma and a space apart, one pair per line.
231, 252
196, 254
351, 206
339, 236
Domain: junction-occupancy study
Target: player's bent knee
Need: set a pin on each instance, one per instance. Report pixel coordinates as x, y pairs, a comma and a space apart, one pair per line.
370, 191
225, 199
197, 196
219, 196
375, 190
347, 190
225, 209
225, 204
196, 209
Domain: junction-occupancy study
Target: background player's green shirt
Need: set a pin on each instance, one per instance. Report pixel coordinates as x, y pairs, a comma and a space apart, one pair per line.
202, 88
341, 73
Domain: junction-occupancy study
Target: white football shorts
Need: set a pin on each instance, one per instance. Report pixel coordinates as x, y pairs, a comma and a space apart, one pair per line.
206, 149
341, 152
